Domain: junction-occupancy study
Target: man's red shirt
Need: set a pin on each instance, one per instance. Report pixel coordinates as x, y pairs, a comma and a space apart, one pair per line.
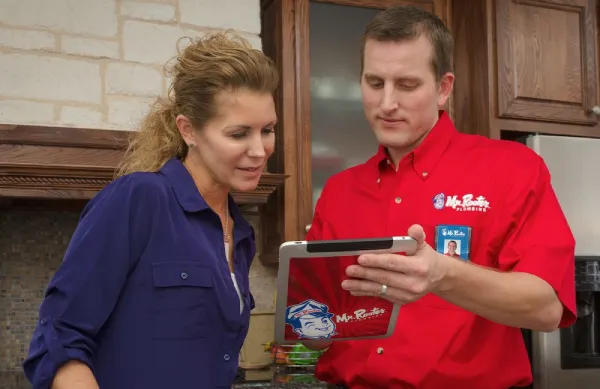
517, 225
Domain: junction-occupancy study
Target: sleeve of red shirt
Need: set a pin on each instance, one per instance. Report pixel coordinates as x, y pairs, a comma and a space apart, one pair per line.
539, 239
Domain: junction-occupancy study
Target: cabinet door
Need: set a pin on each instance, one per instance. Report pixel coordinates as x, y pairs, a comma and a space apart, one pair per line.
546, 60
339, 133
322, 128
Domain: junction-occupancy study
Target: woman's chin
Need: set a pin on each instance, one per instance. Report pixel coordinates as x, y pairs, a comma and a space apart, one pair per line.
244, 185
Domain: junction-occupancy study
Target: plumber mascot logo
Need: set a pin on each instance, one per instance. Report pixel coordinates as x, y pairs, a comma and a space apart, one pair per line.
311, 320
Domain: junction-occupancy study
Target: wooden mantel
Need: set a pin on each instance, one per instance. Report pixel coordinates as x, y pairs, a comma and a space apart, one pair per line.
73, 163
62, 168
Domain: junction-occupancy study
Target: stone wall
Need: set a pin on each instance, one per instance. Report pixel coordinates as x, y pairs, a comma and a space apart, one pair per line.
98, 63
94, 64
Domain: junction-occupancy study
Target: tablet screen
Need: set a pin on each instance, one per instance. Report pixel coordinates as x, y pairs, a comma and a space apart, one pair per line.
318, 308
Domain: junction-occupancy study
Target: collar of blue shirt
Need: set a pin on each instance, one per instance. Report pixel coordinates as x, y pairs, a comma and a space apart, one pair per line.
191, 200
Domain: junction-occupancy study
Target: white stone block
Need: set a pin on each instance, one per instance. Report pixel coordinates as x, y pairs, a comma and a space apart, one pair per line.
95, 17
26, 39
26, 112
150, 43
254, 40
133, 79
49, 78
81, 117
126, 113
241, 15
148, 11
86, 47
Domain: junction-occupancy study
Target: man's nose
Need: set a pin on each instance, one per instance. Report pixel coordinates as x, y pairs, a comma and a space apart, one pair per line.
388, 101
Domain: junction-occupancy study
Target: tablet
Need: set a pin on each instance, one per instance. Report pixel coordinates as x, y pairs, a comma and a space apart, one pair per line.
311, 304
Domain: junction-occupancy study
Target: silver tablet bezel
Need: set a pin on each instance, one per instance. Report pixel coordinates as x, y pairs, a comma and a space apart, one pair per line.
333, 248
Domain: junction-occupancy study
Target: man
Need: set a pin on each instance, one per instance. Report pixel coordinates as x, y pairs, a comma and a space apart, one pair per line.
459, 325
452, 245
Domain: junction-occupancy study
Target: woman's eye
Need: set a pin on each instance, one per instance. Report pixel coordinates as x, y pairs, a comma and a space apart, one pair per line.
269, 130
238, 135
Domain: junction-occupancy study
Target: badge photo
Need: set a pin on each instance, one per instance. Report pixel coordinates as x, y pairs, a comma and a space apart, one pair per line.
453, 241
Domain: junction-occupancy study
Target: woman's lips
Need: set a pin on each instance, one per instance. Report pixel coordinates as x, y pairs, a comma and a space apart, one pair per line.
251, 171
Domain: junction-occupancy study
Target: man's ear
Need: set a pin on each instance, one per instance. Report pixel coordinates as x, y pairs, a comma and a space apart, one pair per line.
445, 88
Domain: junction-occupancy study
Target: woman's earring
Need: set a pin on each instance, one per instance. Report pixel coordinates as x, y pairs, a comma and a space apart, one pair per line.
191, 145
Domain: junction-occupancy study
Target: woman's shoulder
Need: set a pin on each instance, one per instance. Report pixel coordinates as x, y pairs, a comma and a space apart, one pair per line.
147, 188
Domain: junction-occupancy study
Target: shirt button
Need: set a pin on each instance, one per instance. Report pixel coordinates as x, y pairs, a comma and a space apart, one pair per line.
425, 174
398, 200
378, 180
184, 276
226, 357
380, 350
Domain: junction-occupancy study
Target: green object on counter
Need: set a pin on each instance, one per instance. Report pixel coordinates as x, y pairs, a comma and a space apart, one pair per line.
301, 355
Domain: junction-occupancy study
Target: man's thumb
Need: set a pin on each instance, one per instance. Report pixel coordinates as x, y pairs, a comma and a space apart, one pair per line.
417, 233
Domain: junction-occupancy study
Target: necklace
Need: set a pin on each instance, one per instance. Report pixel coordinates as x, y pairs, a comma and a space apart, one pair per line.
226, 227
226, 230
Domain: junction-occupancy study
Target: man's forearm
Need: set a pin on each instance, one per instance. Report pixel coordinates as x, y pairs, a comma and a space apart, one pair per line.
74, 375
510, 298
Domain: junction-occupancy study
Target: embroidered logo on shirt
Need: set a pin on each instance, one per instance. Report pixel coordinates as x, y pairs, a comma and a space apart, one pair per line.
438, 201
466, 203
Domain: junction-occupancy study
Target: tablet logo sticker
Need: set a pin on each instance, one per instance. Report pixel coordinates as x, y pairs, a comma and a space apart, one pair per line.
310, 319
360, 315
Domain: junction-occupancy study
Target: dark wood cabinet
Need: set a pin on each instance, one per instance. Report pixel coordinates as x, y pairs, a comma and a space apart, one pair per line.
526, 66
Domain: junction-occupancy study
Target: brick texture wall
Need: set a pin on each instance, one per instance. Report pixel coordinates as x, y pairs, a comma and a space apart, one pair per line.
98, 63
94, 64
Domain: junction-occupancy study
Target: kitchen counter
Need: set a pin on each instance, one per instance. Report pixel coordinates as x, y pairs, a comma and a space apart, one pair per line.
269, 378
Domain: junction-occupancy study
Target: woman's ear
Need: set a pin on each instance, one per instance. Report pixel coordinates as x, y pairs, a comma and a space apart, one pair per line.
184, 125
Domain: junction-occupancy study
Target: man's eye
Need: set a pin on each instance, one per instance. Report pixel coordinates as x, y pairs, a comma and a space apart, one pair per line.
408, 86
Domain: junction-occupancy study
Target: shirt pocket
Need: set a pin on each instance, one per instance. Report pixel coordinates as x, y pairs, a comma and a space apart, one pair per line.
182, 293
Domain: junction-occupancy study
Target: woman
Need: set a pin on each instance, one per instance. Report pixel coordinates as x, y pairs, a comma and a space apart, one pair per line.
153, 289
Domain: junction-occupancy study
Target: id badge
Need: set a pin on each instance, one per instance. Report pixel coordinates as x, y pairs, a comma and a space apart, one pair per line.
453, 241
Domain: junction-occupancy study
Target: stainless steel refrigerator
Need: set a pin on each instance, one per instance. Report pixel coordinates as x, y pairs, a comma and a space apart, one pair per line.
570, 358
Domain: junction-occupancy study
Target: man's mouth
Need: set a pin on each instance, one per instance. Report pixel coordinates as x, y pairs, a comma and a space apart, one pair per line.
390, 120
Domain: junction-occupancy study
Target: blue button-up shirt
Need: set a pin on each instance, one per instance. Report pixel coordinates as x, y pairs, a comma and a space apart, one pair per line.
144, 295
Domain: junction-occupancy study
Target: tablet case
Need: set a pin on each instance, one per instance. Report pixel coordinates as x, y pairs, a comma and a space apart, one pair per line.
311, 304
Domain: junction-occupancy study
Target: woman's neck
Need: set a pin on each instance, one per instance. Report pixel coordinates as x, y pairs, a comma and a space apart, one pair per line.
213, 193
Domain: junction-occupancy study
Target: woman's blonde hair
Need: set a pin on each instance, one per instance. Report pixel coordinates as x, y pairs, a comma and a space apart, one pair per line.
215, 63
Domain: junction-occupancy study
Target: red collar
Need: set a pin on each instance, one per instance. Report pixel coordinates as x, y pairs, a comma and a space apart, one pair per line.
424, 157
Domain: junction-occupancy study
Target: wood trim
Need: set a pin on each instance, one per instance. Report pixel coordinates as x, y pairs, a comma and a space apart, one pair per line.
474, 68
303, 118
73, 163
380, 4
63, 137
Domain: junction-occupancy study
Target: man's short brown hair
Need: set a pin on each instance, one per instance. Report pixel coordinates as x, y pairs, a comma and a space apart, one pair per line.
404, 23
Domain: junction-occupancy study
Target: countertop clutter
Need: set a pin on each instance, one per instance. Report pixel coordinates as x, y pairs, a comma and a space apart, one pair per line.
279, 377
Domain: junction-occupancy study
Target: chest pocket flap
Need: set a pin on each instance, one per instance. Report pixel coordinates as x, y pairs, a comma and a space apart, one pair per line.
172, 274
